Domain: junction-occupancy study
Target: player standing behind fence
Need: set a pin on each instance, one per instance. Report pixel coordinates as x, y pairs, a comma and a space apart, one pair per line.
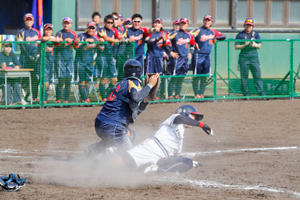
138, 34
85, 55
106, 65
49, 68
205, 38
170, 65
180, 55
248, 58
64, 60
29, 57
96, 17
157, 42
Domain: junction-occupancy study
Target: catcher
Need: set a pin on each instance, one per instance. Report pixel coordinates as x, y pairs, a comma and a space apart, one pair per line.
127, 100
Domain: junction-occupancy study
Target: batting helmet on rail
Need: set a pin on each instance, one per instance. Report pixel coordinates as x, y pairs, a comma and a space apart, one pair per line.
188, 111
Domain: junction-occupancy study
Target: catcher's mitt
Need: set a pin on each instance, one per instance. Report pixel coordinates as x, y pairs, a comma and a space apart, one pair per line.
152, 94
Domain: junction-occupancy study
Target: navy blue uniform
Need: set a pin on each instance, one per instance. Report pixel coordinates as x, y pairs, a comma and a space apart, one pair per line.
204, 38
29, 58
139, 36
85, 58
64, 64
119, 110
181, 42
155, 52
106, 66
13, 86
248, 60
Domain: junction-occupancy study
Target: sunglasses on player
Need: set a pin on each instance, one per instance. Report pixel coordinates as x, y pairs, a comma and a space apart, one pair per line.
110, 22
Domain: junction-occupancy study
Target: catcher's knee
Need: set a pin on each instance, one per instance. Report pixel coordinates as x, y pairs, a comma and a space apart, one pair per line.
175, 164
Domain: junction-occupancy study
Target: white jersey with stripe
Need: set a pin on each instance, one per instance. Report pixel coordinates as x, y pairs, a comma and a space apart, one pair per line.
167, 141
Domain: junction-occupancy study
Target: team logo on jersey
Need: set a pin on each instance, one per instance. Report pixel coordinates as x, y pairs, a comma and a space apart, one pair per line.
182, 41
206, 37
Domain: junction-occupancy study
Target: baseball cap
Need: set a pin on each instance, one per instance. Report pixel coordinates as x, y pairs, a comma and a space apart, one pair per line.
28, 16
176, 22
91, 24
184, 20
157, 20
249, 21
67, 19
209, 17
127, 21
46, 26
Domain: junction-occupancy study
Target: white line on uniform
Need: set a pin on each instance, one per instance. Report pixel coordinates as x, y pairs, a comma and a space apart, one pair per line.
193, 154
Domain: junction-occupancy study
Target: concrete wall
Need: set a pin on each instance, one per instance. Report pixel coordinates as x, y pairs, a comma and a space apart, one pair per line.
61, 9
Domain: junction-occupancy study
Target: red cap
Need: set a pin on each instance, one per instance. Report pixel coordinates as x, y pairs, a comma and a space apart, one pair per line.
28, 16
176, 22
91, 24
46, 26
157, 20
184, 20
67, 19
249, 21
209, 17
127, 20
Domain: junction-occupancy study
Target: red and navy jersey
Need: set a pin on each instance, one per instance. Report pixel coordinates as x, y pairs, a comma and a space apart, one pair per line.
248, 50
139, 36
97, 27
204, 38
111, 33
117, 105
28, 35
86, 55
155, 48
65, 51
181, 40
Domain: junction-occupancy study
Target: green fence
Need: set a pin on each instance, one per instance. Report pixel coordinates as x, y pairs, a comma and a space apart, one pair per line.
80, 74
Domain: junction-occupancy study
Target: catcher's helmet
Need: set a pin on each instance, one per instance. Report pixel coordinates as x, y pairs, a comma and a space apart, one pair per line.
188, 111
132, 68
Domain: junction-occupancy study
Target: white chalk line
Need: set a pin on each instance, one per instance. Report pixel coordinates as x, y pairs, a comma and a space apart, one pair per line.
193, 154
203, 183
207, 183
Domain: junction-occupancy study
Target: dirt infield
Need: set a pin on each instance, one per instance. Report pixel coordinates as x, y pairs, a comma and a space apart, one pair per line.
255, 154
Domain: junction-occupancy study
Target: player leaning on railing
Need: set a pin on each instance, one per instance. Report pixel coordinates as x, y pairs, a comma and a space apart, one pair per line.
64, 60
49, 68
85, 58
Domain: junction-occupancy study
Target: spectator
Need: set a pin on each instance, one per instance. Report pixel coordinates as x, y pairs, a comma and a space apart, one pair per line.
248, 58
96, 17
157, 42
85, 55
49, 69
29, 57
205, 38
106, 66
180, 56
9, 60
137, 34
64, 60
